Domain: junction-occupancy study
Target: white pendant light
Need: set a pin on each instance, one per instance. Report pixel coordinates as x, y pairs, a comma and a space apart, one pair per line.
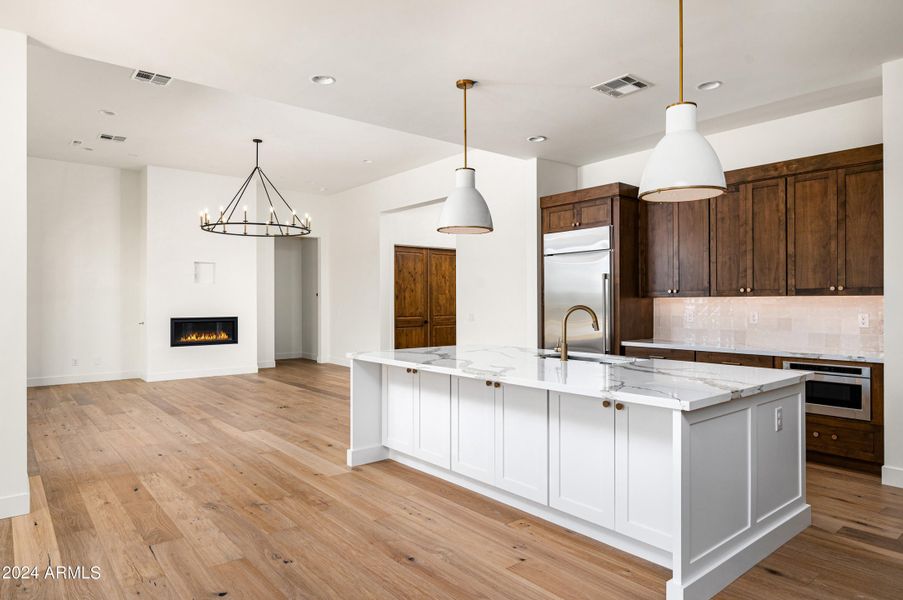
465, 210
683, 165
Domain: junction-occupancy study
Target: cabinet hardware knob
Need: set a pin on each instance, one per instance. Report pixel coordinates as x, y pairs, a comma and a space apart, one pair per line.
606, 403
619, 406
407, 370
497, 384
815, 434
675, 291
573, 224
833, 436
578, 223
839, 288
413, 370
748, 290
741, 290
670, 291
488, 383
832, 288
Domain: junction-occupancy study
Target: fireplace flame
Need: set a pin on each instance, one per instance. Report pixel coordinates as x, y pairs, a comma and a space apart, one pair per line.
205, 336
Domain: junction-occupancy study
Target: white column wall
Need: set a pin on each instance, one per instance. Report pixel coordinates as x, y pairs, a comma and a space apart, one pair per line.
14, 496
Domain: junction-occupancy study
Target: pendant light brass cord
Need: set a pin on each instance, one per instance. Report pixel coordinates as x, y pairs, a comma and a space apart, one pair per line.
681, 48
465, 126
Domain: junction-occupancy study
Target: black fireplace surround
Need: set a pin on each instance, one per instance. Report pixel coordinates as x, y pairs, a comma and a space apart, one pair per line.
203, 331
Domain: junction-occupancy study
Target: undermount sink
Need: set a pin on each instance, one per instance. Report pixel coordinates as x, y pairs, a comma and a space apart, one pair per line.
606, 359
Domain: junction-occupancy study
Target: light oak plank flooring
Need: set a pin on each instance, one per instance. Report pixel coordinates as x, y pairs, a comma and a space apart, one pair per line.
235, 487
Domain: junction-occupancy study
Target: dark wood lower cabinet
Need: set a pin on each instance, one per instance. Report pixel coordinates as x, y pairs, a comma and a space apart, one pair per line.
425, 305
739, 360
667, 353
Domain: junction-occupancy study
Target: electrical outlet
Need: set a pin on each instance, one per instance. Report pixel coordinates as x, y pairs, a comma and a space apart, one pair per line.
74, 362
779, 418
863, 319
754, 317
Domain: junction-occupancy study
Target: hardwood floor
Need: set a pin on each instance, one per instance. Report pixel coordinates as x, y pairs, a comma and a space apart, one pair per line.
236, 487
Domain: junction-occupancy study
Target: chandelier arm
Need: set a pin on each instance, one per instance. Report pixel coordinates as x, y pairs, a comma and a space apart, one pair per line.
278, 193
275, 216
238, 196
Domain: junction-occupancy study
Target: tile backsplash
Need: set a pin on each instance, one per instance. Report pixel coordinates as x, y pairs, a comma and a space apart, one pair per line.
792, 323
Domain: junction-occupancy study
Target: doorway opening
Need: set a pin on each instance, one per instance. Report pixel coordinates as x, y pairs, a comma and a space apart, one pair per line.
425, 305
297, 298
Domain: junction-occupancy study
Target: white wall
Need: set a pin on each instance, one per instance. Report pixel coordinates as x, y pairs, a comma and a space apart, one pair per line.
827, 130
174, 243
411, 226
288, 298
84, 294
892, 474
14, 497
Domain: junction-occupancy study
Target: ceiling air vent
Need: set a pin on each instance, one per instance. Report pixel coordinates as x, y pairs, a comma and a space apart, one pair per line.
148, 77
621, 86
111, 138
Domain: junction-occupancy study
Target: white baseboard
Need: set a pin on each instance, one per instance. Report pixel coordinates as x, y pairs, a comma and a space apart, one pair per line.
308, 355
81, 378
341, 361
195, 373
355, 457
266, 364
892, 476
288, 355
15, 505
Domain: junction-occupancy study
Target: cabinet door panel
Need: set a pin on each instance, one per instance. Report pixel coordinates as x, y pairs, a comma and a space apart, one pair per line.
767, 237
862, 211
692, 248
729, 243
521, 442
581, 454
432, 419
559, 218
473, 429
658, 230
398, 412
594, 213
812, 229
643, 474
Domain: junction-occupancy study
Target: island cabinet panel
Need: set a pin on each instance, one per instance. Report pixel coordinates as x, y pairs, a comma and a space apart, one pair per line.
582, 457
521, 441
813, 228
473, 429
643, 473
398, 409
861, 199
432, 419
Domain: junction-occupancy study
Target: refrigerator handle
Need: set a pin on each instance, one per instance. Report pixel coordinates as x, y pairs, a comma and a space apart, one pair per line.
606, 312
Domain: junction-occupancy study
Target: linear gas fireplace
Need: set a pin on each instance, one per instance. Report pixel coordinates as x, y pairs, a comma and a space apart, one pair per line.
203, 331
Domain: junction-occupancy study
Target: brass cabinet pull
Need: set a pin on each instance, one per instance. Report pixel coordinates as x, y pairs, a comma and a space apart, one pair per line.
413, 370
606, 403
670, 291
748, 290
656, 356
407, 370
497, 384
832, 288
833, 436
578, 223
619, 406
815, 434
733, 364
573, 223
488, 383
839, 288
741, 290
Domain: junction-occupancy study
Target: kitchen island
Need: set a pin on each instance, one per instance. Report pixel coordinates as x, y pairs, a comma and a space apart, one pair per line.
694, 466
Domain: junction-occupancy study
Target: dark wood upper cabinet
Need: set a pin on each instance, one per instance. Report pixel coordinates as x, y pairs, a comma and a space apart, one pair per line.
677, 248
593, 213
861, 239
812, 225
577, 213
559, 218
657, 229
749, 240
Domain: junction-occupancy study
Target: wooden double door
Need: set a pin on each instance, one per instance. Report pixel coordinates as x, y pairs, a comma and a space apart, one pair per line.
424, 297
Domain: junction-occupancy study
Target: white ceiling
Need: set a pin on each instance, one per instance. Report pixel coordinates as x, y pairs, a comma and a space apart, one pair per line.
396, 61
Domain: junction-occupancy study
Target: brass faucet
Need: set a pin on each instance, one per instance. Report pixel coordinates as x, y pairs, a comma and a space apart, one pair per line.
564, 327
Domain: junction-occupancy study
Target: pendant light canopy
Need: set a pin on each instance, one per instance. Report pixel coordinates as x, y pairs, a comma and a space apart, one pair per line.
232, 222
465, 210
683, 165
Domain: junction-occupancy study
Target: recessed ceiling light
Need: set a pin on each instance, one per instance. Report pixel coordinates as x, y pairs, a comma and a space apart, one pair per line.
107, 112
323, 79
709, 85
367, 161
537, 138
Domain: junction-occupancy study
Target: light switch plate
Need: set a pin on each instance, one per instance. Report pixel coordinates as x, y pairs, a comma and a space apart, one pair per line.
863, 319
754, 317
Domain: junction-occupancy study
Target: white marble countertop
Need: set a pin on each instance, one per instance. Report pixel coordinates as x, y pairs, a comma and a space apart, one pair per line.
742, 349
666, 383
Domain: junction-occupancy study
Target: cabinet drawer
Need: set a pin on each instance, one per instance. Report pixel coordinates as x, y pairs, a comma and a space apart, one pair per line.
669, 353
741, 360
841, 441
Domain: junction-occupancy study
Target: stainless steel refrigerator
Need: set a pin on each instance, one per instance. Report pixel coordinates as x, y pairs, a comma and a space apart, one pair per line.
577, 267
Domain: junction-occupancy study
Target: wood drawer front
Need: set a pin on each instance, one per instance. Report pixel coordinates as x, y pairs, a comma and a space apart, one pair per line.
741, 360
668, 353
861, 443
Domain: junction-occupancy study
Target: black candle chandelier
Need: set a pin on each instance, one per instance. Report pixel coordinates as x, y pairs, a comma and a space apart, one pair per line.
293, 226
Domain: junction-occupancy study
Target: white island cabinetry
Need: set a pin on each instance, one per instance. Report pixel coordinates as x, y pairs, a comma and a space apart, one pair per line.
697, 467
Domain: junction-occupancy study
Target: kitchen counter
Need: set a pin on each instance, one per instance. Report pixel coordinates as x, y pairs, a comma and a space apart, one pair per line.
743, 349
652, 382
697, 467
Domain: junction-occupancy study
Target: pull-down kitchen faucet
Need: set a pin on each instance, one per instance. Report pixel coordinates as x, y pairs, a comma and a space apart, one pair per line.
564, 327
